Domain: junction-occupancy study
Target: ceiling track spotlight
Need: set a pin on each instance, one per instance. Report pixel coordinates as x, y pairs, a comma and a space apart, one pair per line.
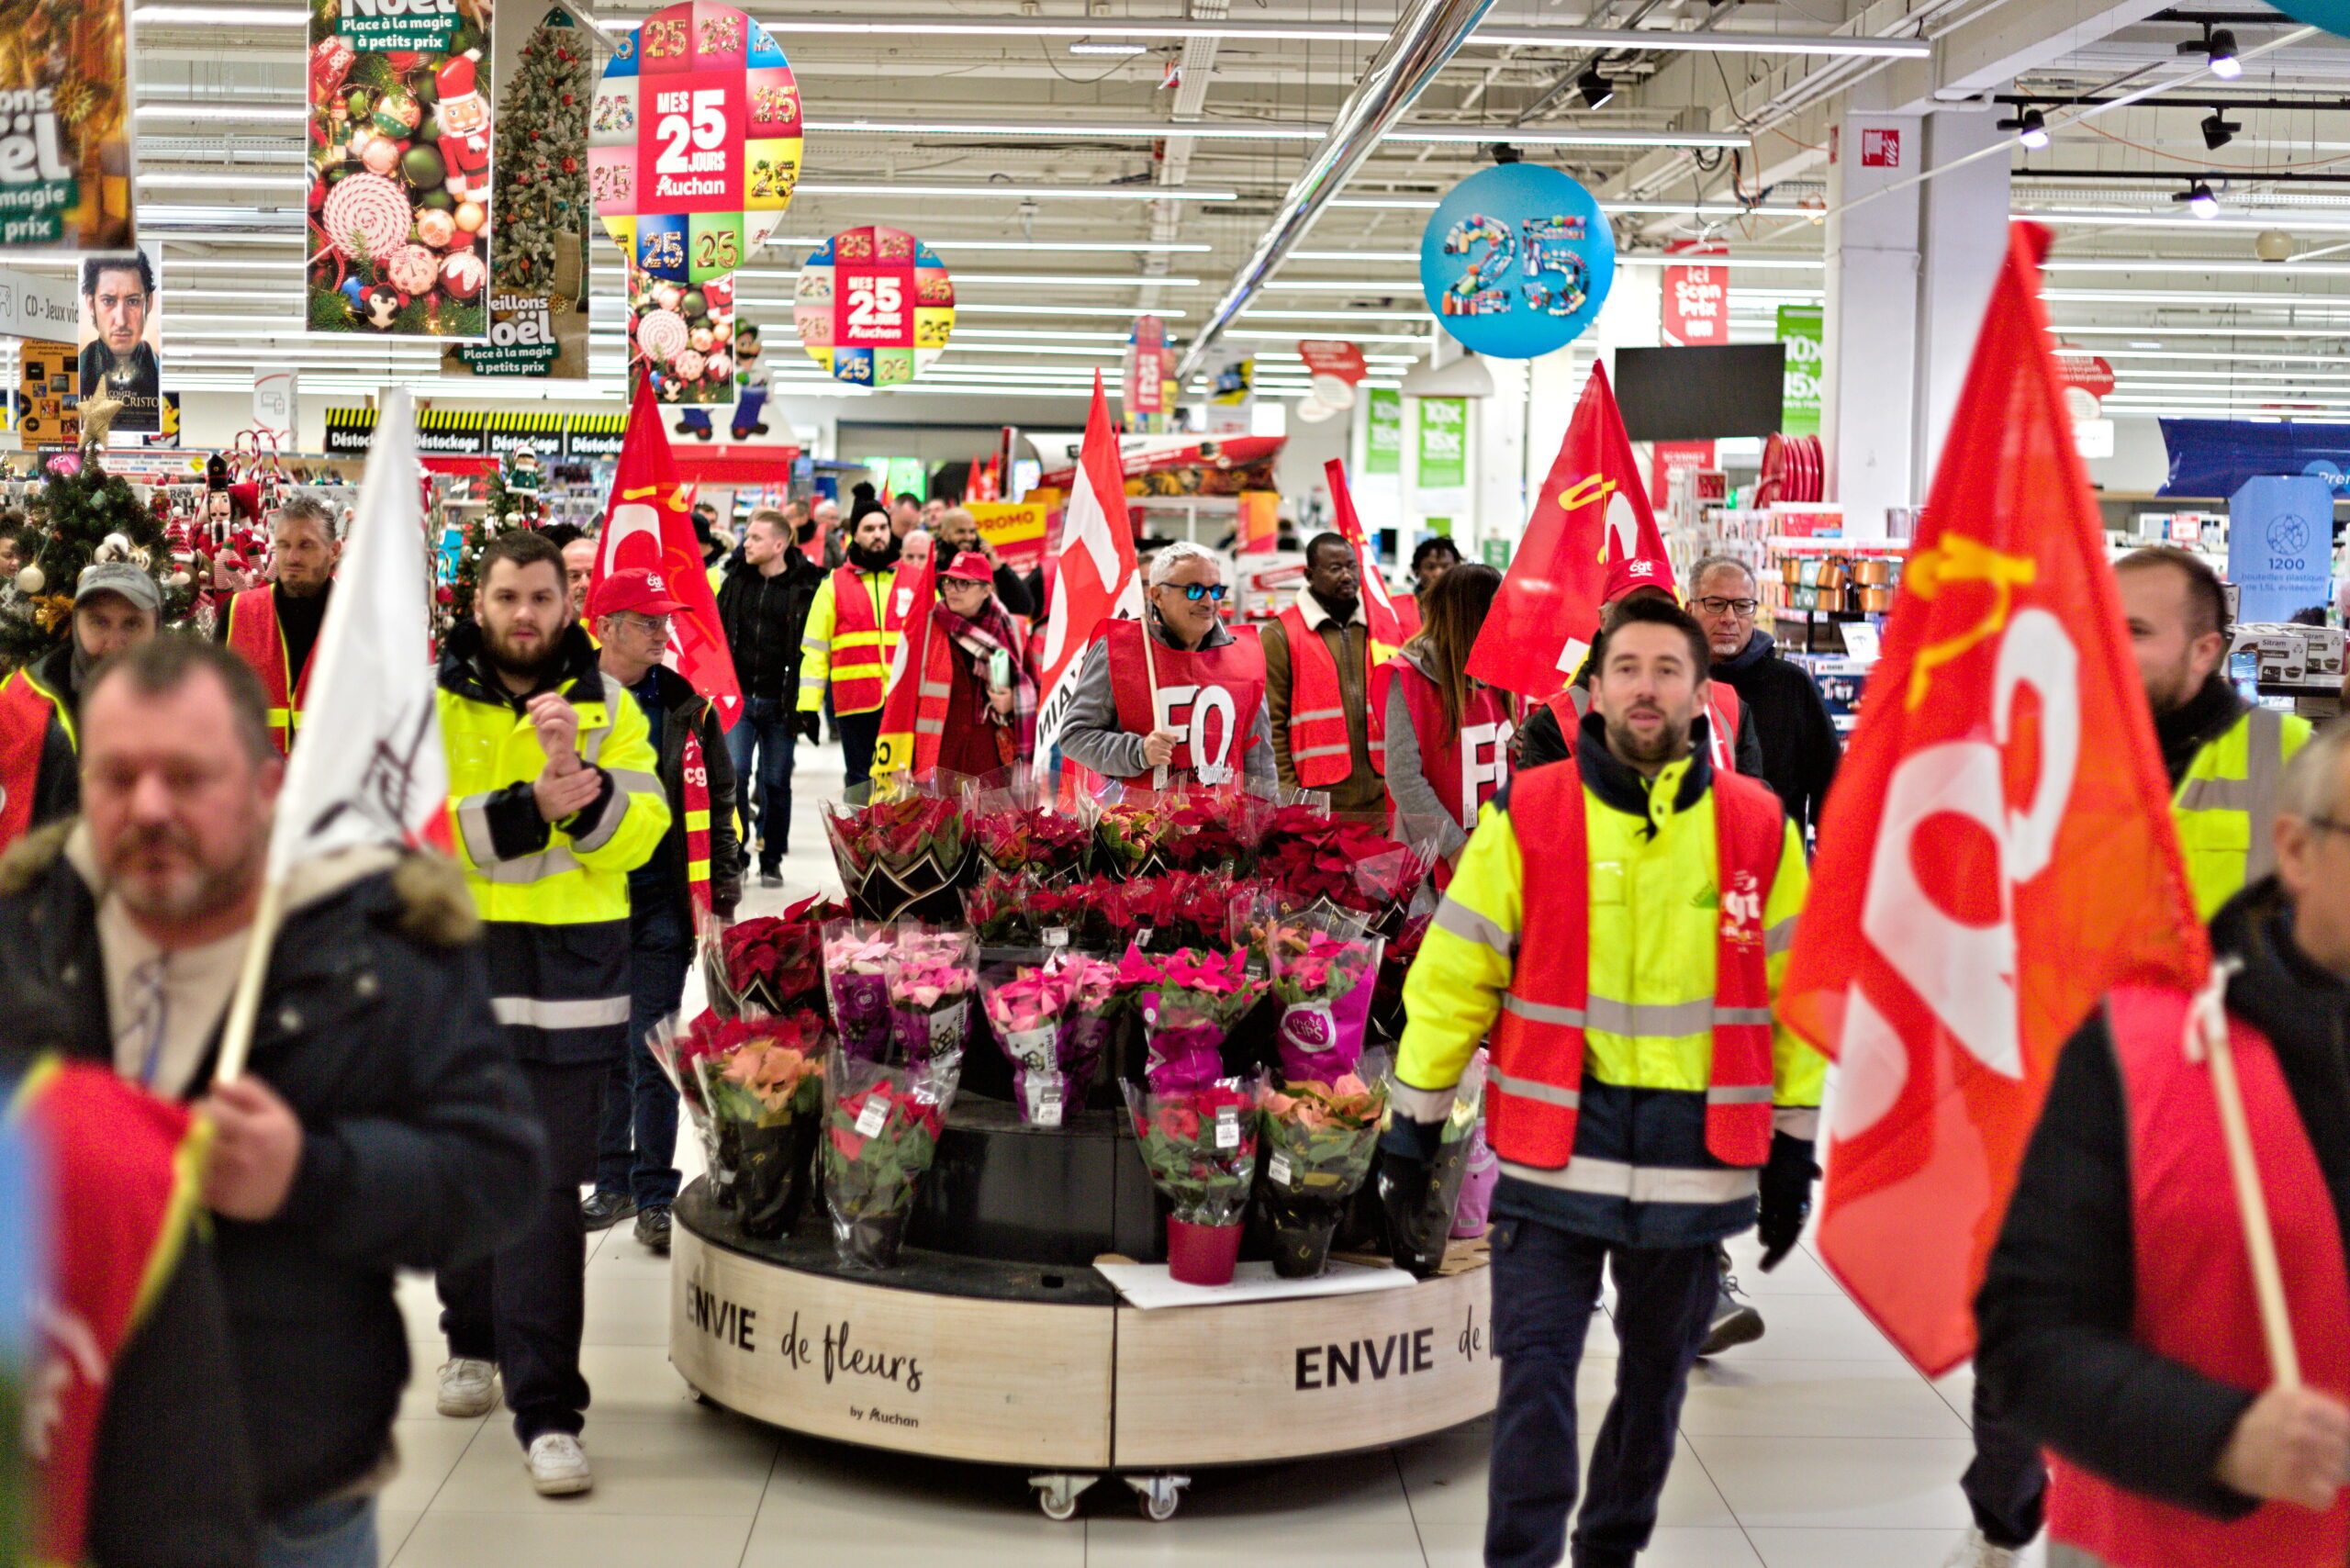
2217, 48
2030, 128
2219, 130
2199, 200
1503, 152
1596, 90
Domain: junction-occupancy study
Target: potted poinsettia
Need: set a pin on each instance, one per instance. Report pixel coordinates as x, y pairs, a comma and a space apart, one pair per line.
759, 1083
881, 1130
1198, 1142
1319, 1137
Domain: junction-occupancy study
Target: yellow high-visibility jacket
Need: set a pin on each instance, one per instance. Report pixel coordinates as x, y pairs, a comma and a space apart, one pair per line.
2226, 804
854, 664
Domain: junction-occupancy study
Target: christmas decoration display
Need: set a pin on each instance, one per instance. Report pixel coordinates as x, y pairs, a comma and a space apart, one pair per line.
694, 145
399, 160
538, 277
65, 144
83, 515
874, 307
513, 501
684, 336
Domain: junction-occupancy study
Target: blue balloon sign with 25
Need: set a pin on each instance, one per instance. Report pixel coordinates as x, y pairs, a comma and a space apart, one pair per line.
1516, 261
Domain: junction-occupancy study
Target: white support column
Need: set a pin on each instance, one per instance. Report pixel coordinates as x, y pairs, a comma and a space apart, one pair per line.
1866, 419
1964, 227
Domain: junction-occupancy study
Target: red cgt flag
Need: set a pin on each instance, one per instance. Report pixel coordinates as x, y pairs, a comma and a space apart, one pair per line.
1392, 623
648, 522
1591, 522
1997, 853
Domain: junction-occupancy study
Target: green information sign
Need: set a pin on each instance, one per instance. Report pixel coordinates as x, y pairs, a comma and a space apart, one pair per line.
1444, 443
1497, 553
1383, 448
1800, 329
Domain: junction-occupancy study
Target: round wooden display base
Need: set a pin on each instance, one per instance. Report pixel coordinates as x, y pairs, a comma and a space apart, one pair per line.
1042, 1366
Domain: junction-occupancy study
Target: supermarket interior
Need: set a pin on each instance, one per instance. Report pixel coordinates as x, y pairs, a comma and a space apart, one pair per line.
829, 809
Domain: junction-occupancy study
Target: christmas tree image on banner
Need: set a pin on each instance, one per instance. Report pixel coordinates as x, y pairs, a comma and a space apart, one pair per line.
83, 515
538, 285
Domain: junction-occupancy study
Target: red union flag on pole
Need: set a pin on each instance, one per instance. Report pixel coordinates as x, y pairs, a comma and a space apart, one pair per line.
1997, 853
1095, 580
648, 522
1392, 623
1592, 515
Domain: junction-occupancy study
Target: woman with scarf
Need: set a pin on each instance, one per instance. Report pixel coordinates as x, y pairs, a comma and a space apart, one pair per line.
990, 718
1448, 736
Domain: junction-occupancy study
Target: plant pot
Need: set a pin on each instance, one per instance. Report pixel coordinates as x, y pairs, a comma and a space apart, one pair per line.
1302, 1235
1202, 1254
725, 1171
870, 1243
775, 1174
1420, 1202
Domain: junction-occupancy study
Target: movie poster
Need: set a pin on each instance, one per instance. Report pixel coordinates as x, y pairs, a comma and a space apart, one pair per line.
119, 347
401, 144
538, 276
65, 159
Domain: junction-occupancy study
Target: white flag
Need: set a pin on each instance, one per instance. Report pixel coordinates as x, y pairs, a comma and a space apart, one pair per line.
368, 765
1097, 579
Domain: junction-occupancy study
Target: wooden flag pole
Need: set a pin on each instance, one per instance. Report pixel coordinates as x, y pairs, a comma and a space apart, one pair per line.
2207, 1027
244, 1004
1150, 671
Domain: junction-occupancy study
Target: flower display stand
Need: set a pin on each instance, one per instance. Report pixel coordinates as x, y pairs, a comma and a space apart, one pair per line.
995, 1340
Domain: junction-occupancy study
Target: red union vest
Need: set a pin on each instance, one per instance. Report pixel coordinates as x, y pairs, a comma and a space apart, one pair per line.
1538, 1045
24, 707
1319, 751
123, 1175
255, 633
1466, 767
860, 657
2195, 1302
1209, 698
696, 769
1721, 706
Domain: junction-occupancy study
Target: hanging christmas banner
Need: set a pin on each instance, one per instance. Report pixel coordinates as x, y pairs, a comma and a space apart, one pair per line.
684, 336
874, 307
694, 145
1517, 259
399, 234
65, 126
538, 276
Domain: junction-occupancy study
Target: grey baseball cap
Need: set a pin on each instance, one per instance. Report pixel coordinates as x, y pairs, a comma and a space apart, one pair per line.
121, 578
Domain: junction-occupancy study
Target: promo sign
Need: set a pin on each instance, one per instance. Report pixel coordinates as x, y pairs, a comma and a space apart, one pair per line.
1336, 366
693, 150
2281, 546
47, 403
1516, 261
1444, 443
874, 307
1695, 298
65, 155
1148, 372
1801, 330
1384, 439
401, 211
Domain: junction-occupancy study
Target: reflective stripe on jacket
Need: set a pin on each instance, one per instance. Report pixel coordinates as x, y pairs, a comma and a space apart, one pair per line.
2227, 802
852, 630
1640, 1172
255, 636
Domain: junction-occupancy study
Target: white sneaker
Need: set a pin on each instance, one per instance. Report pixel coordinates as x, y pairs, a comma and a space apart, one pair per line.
468, 1387
558, 1464
1976, 1553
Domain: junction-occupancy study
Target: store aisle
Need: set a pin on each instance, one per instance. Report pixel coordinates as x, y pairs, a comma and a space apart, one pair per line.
1817, 1446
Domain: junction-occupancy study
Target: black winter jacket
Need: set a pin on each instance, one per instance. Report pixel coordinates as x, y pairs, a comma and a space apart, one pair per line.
683, 709
1790, 723
420, 1149
2055, 1309
765, 618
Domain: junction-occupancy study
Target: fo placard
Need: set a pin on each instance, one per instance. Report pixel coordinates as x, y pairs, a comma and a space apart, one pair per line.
874, 307
1516, 261
694, 145
65, 155
400, 143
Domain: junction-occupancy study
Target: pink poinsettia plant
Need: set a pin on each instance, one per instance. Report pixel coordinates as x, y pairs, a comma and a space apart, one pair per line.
1190, 1000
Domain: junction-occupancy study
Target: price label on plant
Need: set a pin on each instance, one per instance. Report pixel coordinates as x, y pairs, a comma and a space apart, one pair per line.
1277, 1169
694, 145
1227, 1126
874, 307
1056, 936
873, 1118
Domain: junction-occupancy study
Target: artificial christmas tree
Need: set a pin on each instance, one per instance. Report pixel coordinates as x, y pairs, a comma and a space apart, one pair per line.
543, 161
506, 507
83, 514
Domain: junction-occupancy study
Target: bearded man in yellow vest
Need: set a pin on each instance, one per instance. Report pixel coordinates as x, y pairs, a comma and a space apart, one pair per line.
275, 627
1318, 662
1620, 923
852, 630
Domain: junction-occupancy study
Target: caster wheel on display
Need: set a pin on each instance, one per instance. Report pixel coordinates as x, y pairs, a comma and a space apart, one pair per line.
1057, 1495
1158, 1496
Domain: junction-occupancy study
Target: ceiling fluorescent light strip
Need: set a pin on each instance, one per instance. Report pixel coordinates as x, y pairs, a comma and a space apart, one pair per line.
1244, 131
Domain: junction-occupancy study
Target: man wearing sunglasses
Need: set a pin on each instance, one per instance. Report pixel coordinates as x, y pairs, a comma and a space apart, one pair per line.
1800, 746
1187, 705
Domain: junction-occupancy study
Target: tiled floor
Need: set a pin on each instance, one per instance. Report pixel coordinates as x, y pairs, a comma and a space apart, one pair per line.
1815, 1447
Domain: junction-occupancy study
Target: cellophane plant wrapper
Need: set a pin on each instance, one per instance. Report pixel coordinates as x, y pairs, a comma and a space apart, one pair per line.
881, 1130
1320, 1137
1053, 1014
1189, 1000
932, 975
857, 956
772, 963
1324, 972
756, 1091
1200, 1145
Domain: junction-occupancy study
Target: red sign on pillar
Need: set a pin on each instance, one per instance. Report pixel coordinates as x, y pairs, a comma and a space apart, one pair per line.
1667, 456
1696, 298
1881, 147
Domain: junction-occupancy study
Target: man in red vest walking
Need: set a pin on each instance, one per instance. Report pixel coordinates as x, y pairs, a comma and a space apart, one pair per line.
1620, 924
1319, 661
2118, 1318
275, 627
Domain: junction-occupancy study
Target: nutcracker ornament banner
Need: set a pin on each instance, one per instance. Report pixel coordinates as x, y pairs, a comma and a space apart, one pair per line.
683, 336
400, 145
65, 126
538, 276
874, 307
694, 142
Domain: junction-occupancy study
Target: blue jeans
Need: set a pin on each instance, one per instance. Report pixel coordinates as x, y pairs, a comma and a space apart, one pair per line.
764, 728
1546, 1286
338, 1532
636, 1130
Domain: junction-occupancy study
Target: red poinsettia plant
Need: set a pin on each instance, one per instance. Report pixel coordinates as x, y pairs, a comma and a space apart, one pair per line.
898, 834
1035, 840
775, 962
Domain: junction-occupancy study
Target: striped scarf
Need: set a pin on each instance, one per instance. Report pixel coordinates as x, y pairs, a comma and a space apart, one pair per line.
982, 638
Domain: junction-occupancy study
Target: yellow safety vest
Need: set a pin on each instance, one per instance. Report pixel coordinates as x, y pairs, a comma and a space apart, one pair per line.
2227, 802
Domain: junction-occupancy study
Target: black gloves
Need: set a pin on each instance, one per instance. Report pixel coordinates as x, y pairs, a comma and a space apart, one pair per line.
1786, 1197
809, 726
